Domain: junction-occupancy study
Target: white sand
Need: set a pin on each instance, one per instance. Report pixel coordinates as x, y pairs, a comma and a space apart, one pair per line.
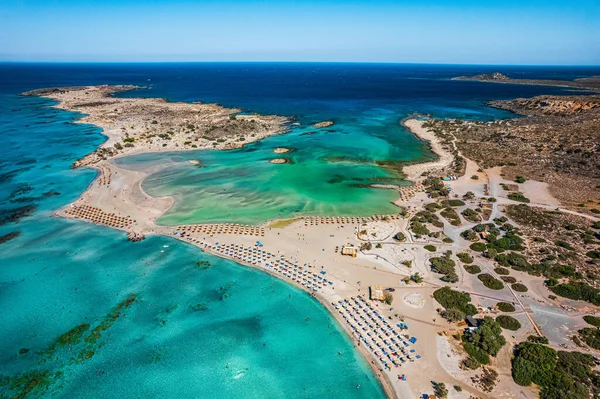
445, 158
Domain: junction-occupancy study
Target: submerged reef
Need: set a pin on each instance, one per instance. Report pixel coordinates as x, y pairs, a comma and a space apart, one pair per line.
10, 236
69, 348
15, 214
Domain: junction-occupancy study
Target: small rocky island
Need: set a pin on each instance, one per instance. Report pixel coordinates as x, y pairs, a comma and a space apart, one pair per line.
323, 124
591, 83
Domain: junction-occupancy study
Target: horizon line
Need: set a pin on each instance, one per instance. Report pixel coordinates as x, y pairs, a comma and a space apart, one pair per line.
298, 62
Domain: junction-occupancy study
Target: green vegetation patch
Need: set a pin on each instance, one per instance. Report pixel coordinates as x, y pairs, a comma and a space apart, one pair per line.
519, 197
490, 282
502, 271
519, 287
560, 375
451, 299
471, 215
453, 203
578, 291
464, 257
591, 336
486, 340
508, 322
505, 307
430, 248
592, 320
451, 215
445, 266
400, 237
473, 269
478, 247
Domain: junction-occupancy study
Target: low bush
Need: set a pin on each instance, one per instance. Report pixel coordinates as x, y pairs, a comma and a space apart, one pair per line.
473, 269
537, 340
578, 291
592, 320
502, 271
490, 282
486, 340
478, 247
519, 287
591, 336
430, 248
465, 257
451, 299
519, 197
508, 279
470, 215
453, 202
471, 363
508, 322
505, 307
442, 265
400, 237
480, 356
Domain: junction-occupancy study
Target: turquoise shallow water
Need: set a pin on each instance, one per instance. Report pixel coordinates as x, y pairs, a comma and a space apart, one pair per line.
327, 174
182, 337
58, 274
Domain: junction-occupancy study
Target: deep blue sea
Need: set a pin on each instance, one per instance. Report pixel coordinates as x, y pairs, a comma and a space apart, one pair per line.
224, 332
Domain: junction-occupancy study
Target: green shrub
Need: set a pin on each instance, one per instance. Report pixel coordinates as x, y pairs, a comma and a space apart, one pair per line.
470, 215
487, 339
442, 265
537, 340
533, 363
469, 235
453, 315
430, 248
564, 244
593, 254
478, 247
451, 299
471, 363
519, 287
400, 237
464, 257
505, 307
578, 291
502, 271
520, 179
490, 282
508, 279
419, 229
480, 356
518, 197
508, 322
591, 336
473, 269
453, 202
592, 320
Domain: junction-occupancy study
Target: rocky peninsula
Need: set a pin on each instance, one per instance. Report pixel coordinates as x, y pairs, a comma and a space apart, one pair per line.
135, 125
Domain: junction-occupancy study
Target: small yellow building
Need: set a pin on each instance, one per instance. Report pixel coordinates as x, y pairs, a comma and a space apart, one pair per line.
377, 293
349, 250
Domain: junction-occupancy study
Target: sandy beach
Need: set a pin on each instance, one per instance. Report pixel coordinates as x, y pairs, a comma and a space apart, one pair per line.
415, 171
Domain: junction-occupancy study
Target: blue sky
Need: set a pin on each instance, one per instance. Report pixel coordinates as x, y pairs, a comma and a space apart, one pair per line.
563, 32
